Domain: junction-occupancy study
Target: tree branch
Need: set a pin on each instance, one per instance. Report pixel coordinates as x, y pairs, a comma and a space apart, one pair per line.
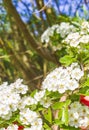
44, 52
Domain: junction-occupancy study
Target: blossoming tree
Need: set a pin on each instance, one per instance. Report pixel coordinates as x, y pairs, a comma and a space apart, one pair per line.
63, 99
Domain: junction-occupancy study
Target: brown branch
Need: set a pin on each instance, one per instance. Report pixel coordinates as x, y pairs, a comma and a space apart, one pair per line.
43, 8
28, 37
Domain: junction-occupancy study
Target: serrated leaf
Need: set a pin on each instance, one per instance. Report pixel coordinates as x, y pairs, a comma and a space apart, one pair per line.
67, 60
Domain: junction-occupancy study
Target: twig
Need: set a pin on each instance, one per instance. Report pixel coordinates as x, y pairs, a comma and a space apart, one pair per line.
43, 8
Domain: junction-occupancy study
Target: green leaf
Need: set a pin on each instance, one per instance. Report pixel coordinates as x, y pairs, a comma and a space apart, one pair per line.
33, 107
54, 95
70, 128
84, 91
65, 115
46, 127
48, 115
57, 122
86, 83
39, 107
67, 102
63, 112
60, 105
74, 97
67, 60
33, 93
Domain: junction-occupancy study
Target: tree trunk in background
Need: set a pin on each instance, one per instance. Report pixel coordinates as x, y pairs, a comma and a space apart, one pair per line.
27, 36
39, 6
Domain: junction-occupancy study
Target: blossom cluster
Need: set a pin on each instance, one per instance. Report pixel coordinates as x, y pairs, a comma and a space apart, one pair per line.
78, 115
36, 125
74, 39
62, 79
11, 127
39, 97
70, 34
12, 98
42, 99
28, 116
63, 29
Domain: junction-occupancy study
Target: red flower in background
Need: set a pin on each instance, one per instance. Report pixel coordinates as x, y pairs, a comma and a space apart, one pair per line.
84, 100
20, 127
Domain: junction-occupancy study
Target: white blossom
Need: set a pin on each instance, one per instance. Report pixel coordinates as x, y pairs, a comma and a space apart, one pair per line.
78, 115
26, 101
27, 116
39, 95
33, 128
12, 127
72, 84
45, 36
63, 79
37, 124
10, 98
63, 29
46, 102
19, 87
74, 39
85, 26
77, 73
